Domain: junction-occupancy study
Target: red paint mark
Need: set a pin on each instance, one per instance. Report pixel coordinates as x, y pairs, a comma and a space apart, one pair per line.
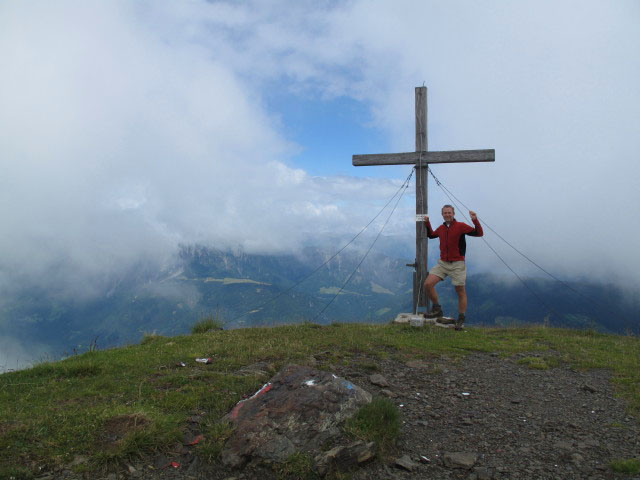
265, 388
236, 409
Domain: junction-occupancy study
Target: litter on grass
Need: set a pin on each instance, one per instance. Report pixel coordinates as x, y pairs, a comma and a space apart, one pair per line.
195, 441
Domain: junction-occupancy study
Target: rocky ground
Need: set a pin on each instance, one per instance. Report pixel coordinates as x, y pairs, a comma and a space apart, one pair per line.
485, 417
480, 417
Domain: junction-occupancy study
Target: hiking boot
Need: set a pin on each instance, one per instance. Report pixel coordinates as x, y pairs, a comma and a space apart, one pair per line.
435, 312
460, 321
446, 321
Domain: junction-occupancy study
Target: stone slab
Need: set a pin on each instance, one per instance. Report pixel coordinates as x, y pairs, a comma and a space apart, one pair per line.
417, 320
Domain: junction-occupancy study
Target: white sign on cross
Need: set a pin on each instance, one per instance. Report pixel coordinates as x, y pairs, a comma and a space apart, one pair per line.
421, 158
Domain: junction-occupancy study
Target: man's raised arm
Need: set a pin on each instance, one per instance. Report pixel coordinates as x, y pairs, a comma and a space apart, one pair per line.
476, 232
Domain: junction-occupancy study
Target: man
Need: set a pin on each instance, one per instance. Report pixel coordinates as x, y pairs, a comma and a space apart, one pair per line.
451, 264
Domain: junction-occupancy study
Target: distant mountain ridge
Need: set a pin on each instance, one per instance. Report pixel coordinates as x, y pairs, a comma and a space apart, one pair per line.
238, 287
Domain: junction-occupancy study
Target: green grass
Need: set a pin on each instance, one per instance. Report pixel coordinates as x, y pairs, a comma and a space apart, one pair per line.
207, 324
628, 465
379, 422
216, 434
539, 363
368, 366
298, 466
57, 410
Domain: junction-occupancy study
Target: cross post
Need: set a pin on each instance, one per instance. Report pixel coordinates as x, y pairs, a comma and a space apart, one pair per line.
421, 158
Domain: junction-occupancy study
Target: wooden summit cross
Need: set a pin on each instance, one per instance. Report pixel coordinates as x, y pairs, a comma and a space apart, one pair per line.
421, 158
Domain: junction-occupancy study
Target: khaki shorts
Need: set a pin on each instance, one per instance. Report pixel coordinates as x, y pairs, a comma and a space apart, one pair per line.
456, 270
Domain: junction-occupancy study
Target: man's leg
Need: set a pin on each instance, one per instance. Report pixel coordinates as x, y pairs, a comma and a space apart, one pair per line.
462, 299
462, 305
430, 287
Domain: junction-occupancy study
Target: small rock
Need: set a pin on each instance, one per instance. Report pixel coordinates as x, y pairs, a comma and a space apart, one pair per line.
406, 463
464, 460
388, 393
516, 400
576, 458
379, 380
79, 460
589, 388
424, 423
345, 457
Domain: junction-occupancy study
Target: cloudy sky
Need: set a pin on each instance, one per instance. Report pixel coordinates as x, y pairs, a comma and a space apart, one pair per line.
128, 128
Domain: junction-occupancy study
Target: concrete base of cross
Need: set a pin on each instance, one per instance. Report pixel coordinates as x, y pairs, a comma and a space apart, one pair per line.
417, 320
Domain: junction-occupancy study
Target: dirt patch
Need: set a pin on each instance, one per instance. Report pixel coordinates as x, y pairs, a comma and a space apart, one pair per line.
116, 428
6, 427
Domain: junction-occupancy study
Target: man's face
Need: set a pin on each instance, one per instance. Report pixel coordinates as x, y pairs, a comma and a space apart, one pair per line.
447, 214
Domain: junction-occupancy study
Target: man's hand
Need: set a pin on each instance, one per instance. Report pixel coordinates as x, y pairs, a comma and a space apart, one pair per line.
473, 215
426, 218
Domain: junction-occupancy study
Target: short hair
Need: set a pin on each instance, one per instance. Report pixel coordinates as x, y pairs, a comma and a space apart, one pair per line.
448, 206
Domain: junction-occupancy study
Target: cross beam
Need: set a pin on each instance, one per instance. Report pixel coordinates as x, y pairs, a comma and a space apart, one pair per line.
412, 158
421, 158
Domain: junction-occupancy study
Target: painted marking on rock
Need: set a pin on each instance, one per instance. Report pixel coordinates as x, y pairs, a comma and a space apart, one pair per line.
347, 384
265, 388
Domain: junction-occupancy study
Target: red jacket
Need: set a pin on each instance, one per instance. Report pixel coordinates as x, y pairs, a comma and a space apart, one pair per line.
452, 243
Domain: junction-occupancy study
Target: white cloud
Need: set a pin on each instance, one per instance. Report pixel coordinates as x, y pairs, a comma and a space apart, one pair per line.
123, 136
128, 128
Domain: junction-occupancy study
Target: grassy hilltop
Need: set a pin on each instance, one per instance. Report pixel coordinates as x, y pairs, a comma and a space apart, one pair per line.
102, 408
